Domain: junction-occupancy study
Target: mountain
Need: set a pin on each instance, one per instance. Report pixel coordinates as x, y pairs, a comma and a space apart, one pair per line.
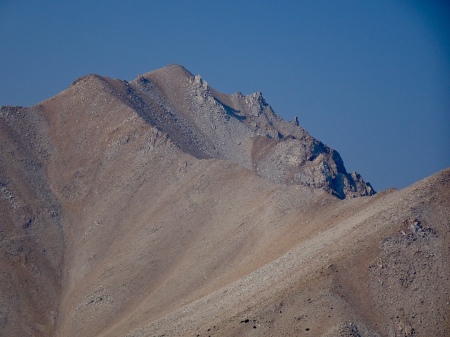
161, 207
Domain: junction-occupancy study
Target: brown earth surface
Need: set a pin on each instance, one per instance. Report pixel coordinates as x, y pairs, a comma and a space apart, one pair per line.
130, 215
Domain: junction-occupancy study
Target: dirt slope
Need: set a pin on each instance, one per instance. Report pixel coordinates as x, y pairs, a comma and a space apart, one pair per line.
126, 213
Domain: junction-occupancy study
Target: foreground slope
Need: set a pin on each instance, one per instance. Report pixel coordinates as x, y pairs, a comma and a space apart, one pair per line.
123, 214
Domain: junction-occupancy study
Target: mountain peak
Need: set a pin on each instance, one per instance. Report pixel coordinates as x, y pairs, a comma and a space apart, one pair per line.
243, 129
207, 124
174, 71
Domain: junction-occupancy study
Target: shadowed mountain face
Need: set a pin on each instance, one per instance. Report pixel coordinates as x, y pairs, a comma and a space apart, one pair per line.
161, 207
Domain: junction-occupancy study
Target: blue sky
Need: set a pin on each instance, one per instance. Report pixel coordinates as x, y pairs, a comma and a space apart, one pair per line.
370, 79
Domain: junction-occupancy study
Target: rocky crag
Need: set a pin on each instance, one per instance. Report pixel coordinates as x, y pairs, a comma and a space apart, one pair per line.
243, 129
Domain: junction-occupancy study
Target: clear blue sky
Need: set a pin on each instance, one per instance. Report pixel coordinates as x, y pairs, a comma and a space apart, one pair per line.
370, 79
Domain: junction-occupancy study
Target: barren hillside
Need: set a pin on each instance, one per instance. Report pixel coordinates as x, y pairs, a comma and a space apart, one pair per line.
161, 207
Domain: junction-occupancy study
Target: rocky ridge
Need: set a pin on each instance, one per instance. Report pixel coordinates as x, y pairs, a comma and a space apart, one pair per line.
243, 129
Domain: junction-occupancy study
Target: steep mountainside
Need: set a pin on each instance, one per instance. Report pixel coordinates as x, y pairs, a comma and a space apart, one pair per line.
161, 207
